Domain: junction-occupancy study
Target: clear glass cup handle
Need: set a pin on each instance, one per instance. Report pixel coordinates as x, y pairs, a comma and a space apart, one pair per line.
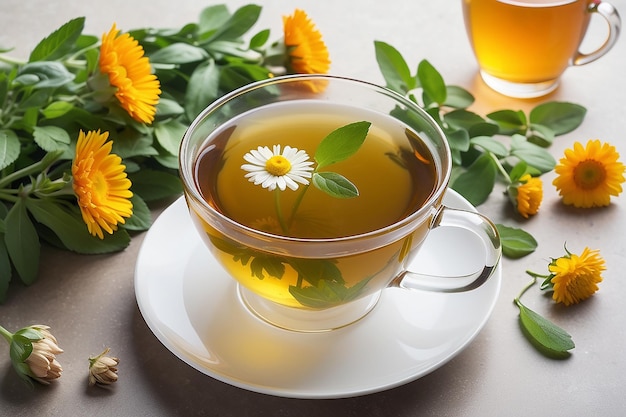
485, 232
610, 14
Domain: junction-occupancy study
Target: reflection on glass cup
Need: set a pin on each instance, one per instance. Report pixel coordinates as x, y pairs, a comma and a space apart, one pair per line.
303, 259
523, 46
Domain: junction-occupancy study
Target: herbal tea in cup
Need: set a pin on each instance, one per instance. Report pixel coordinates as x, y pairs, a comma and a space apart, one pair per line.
315, 192
523, 46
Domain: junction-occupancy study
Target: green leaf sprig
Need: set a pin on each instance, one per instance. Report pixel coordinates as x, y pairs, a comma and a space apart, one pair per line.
46, 99
505, 144
547, 337
337, 146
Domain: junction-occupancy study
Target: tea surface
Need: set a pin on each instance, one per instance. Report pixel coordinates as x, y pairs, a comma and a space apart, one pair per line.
391, 180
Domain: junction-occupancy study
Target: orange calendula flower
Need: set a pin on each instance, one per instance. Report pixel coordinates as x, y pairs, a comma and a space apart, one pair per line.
123, 60
527, 195
100, 184
588, 176
575, 277
307, 52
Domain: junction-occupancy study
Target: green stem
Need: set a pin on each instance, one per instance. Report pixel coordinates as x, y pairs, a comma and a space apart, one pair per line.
11, 60
279, 211
534, 275
296, 204
8, 336
31, 169
505, 174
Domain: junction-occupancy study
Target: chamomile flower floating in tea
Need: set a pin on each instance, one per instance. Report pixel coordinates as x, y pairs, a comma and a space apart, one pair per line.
273, 168
587, 176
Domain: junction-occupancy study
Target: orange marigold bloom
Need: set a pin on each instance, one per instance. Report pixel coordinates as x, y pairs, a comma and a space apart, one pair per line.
100, 184
528, 195
123, 60
307, 52
588, 176
575, 278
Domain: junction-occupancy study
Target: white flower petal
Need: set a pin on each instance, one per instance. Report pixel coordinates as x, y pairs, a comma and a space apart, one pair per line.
301, 167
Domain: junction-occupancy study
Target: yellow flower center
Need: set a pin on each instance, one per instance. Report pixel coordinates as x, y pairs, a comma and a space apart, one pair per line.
589, 174
278, 165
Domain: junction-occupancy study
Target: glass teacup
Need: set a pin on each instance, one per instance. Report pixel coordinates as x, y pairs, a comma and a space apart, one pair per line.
315, 192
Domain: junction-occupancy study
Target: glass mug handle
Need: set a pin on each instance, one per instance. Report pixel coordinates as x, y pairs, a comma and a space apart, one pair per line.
610, 14
483, 229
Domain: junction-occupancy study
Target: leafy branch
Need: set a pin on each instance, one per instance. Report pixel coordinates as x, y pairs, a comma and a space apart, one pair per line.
503, 145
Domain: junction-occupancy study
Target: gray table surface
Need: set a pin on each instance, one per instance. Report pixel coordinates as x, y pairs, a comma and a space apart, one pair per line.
90, 301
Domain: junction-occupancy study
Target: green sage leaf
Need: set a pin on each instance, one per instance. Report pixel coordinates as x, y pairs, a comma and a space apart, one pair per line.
462, 119
544, 334
238, 24
5, 266
509, 121
169, 134
394, 68
22, 242
341, 143
432, 83
59, 42
66, 223
51, 138
153, 185
179, 53
212, 17
44, 74
561, 117
458, 97
141, 218
57, 109
478, 181
541, 135
260, 39
490, 144
335, 185
532, 154
202, 89
9, 148
516, 243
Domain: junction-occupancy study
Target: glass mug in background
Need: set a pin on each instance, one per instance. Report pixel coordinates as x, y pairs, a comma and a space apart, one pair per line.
523, 46
324, 265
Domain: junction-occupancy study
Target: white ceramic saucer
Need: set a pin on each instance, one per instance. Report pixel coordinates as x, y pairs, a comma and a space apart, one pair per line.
193, 308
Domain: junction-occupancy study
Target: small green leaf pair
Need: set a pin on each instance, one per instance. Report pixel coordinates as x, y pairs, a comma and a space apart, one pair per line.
338, 146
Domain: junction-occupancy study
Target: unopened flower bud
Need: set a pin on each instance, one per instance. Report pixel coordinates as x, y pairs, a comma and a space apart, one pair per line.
103, 369
33, 353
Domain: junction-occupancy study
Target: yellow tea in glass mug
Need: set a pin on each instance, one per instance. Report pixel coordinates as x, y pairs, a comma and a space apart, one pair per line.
315, 254
395, 175
523, 46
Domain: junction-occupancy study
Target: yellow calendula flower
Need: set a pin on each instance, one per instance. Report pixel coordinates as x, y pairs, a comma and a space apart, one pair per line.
526, 195
307, 52
588, 176
123, 60
100, 184
575, 277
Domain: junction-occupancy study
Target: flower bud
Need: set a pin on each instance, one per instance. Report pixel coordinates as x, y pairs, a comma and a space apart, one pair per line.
33, 353
103, 369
